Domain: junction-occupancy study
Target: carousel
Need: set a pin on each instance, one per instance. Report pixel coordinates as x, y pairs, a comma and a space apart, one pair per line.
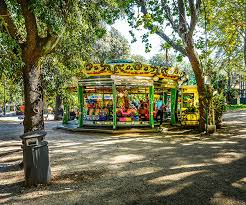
124, 94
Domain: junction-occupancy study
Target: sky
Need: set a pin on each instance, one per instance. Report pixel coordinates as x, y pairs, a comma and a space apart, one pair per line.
138, 48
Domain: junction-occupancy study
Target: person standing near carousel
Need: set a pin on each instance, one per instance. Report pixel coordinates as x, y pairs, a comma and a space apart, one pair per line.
159, 106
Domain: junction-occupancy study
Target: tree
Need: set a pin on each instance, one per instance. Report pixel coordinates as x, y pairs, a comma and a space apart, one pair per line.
139, 58
226, 25
181, 17
36, 28
161, 59
111, 46
225, 30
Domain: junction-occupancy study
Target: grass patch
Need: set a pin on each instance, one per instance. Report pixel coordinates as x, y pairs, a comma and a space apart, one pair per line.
235, 107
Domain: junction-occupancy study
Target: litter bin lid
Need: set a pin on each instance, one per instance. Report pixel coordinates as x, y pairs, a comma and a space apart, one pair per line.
41, 144
33, 134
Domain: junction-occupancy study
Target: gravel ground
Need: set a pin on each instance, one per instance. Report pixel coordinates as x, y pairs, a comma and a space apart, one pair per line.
175, 167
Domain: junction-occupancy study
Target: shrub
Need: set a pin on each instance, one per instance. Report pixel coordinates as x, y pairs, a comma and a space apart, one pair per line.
219, 108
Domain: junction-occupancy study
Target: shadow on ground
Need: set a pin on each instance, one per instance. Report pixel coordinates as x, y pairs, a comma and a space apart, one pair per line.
168, 168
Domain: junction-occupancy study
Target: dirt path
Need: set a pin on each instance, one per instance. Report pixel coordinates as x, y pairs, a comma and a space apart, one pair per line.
179, 167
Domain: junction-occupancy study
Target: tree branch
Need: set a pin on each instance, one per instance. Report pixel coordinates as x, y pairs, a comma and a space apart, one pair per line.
30, 23
182, 18
161, 33
169, 16
10, 26
48, 44
194, 10
171, 42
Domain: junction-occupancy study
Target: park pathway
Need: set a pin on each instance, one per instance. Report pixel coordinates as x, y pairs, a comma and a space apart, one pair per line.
176, 167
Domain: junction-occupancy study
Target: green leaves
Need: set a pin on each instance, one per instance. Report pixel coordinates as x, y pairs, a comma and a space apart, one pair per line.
112, 46
10, 57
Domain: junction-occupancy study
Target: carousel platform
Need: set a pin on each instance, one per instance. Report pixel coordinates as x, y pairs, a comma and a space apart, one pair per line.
73, 127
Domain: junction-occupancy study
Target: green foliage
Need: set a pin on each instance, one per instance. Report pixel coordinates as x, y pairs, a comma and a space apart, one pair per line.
235, 107
10, 90
158, 60
75, 24
219, 107
139, 58
225, 30
10, 57
111, 46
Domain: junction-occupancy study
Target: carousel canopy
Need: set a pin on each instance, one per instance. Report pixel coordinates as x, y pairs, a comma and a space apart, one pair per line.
131, 69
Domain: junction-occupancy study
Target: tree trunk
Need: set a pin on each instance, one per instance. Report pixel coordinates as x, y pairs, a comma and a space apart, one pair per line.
196, 66
33, 93
58, 107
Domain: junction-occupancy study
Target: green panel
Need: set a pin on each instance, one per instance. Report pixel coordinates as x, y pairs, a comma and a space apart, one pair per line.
151, 107
165, 98
66, 114
165, 103
114, 106
81, 105
173, 105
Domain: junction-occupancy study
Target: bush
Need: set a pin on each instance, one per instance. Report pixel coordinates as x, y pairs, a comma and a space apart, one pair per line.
219, 108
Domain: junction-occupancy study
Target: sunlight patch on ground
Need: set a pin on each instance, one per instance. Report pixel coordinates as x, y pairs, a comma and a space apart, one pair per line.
162, 148
36, 194
108, 142
12, 158
191, 165
240, 184
228, 157
174, 177
233, 122
242, 131
67, 144
11, 177
11, 148
220, 199
174, 190
125, 158
64, 151
150, 140
140, 171
217, 142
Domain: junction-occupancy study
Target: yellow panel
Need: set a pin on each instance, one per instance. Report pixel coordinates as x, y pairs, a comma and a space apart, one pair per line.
133, 69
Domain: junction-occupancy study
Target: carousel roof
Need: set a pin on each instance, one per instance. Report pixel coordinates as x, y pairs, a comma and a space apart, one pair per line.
130, 69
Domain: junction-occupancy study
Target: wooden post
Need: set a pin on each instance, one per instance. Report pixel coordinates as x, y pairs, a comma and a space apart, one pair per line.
173, 105
151, 106
114, 106
81, 105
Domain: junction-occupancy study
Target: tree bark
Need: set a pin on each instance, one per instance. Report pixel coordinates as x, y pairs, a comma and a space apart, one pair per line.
58, 107
197, 68
33, 93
